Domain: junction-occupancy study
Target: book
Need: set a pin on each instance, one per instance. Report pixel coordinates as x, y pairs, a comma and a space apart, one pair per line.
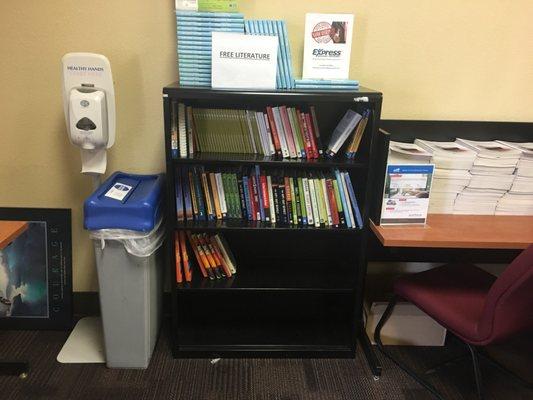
177, 255
342, 131
353, 146
185, 257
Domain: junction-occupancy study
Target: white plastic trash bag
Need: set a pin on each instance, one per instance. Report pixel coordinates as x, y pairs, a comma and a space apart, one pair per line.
140, 244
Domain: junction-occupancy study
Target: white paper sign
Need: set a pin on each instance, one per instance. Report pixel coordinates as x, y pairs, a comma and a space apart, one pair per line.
327, 47
118, 191
243, 61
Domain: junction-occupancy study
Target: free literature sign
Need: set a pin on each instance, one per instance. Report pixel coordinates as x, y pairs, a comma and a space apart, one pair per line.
242, 61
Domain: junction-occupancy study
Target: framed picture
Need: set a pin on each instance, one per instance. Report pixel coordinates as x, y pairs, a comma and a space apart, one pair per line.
35, 268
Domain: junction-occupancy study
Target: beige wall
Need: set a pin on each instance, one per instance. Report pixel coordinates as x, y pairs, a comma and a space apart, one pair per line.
432, 59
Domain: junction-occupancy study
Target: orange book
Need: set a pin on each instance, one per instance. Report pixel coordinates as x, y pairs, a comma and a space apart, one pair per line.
179, 277
214, 248
197, 255
185, 257
203, 257
209, 256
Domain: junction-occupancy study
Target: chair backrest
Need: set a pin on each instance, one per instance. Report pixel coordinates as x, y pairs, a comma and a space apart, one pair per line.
509, 303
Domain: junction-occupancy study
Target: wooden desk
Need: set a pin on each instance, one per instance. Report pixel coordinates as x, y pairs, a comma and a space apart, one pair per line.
10, 230
461, 231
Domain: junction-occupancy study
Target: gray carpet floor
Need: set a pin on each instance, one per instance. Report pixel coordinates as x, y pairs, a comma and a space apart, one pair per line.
236, 379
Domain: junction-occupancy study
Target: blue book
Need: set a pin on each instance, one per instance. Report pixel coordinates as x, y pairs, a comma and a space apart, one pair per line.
186, 56
195, 52
194, 46
197, 67
260, 193
206, 85
288, 51
209, 25
273, 32
353, 200
247, 197
324, 85
195, 38
283, 51
247, 26
180, 212
205, 14
187, 77
327, 81
195, 82
344, 202
309, 85
187, 196
190, 18
189, 30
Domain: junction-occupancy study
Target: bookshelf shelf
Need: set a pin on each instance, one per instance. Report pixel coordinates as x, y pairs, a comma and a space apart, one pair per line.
279, 275
228, 159
251, 226
294, 294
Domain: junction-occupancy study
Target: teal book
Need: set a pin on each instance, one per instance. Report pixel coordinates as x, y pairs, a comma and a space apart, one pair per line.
203, 14
274, 28
327, 82
288, 53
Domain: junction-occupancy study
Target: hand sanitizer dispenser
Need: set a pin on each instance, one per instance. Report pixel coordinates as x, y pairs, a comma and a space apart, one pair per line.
89, 106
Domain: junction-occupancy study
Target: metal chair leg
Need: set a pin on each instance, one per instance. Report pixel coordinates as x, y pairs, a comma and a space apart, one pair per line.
377, 339
477, 371
445, 363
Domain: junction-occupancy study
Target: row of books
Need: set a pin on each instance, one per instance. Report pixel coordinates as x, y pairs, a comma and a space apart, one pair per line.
227, 6
319, 199
194, 42
284, 75
281, 131
474, 177
212, 256
284, 131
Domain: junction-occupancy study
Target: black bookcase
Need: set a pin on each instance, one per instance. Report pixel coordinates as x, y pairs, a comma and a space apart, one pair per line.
298, 291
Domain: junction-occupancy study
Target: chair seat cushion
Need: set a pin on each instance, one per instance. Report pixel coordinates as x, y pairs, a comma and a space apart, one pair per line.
454, 295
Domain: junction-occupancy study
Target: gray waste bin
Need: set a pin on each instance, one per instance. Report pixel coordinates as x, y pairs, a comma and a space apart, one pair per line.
129, 265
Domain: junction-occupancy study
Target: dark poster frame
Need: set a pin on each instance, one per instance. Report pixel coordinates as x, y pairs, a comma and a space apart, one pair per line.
59, 266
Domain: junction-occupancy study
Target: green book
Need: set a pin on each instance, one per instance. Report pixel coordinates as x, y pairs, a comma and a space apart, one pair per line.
320, 201
303, 207
295, 126
218, 5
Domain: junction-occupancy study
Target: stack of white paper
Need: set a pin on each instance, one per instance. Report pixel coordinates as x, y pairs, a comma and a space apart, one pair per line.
493, 157
492, 176
525, 163
519, 199
407, 153
477, 201
452, 162
449, 155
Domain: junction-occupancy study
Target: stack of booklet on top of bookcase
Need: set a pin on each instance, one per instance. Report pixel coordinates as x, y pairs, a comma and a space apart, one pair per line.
492, 176
519, 199
452, 163
284, 75
194, 42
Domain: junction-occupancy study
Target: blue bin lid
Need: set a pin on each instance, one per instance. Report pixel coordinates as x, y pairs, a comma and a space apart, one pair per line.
125, 201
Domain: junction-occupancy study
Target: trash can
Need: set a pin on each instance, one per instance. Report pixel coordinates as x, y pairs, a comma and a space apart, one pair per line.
124, 217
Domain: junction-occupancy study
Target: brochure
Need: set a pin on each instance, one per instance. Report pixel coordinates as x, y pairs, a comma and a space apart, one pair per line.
406, 194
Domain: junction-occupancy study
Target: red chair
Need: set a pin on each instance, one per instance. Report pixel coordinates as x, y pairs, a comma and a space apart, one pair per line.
471, 303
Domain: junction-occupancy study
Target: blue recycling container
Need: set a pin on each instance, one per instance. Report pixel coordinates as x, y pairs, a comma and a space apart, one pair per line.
125, 201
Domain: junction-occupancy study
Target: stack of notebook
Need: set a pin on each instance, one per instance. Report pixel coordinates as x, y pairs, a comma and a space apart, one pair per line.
519, 199
284, 76
407, 153
492, 176
194, 42
324, 84
452, 162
